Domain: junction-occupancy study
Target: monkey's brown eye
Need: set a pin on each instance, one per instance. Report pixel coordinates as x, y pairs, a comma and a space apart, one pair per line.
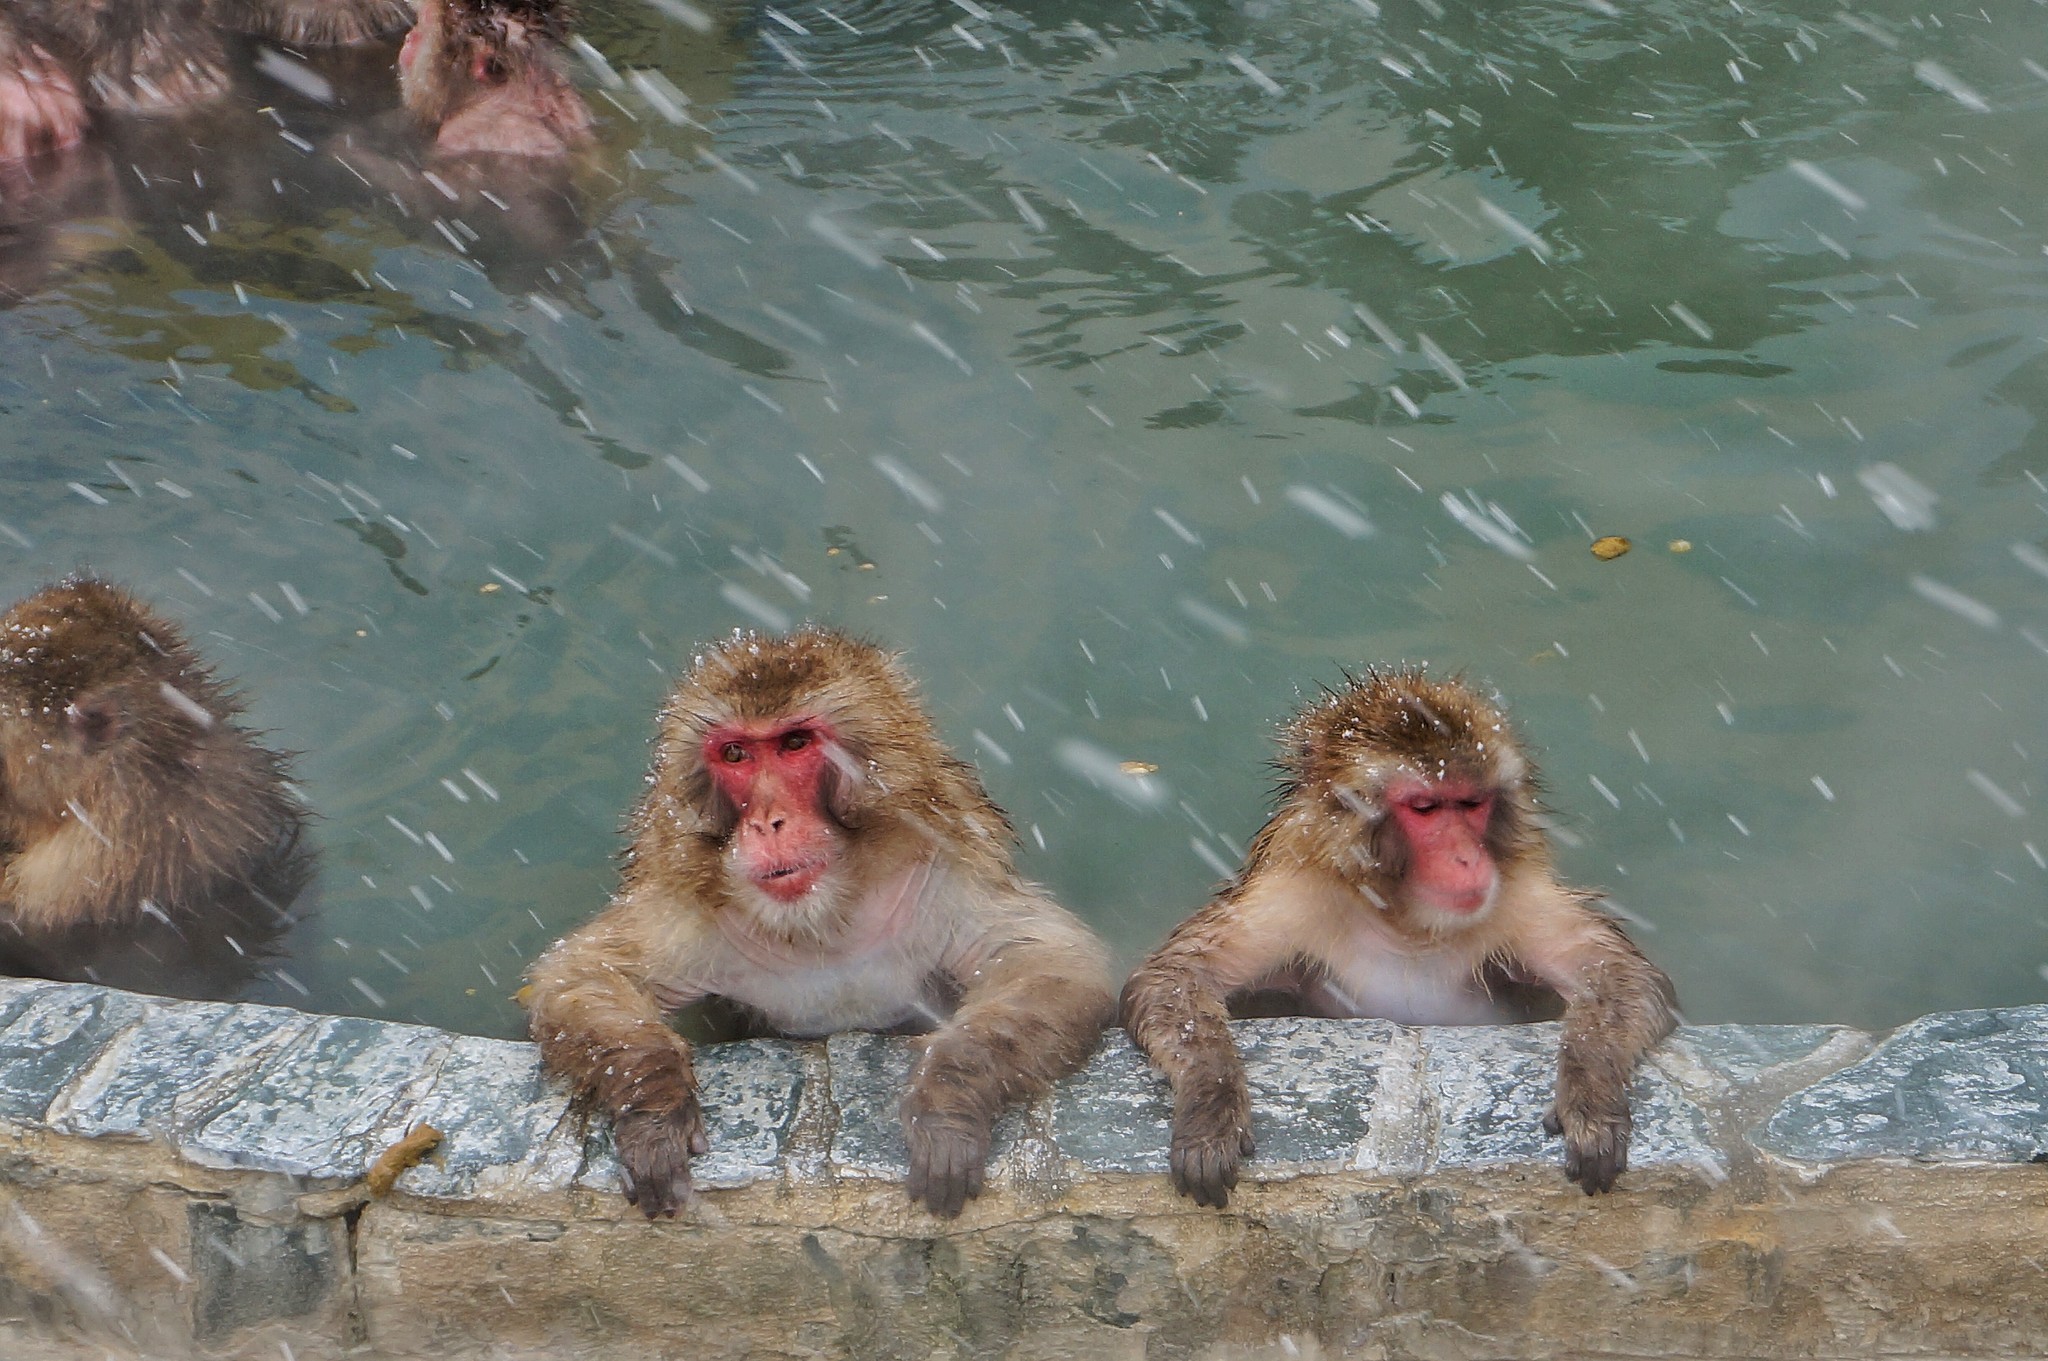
796, 741
732, 753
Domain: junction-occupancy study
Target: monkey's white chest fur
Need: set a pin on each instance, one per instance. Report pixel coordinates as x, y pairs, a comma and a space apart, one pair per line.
1435, 989
878, 976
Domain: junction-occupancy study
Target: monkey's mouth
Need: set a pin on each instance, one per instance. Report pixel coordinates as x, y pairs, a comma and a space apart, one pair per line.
790, 881
1464, 902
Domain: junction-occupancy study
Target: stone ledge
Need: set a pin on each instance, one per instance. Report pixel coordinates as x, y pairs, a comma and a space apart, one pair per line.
177, 1180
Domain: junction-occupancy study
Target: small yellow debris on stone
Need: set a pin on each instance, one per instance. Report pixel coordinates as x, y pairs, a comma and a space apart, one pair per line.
1681, 545
1609, 548
1138, 768
394, 1161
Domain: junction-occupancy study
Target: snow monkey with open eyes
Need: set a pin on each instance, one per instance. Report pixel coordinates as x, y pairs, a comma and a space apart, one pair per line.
808, 850
1404, 875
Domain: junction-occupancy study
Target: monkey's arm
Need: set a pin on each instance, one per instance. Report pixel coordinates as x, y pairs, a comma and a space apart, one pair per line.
318, 23
1035, 995
600, 1026
1176, 1008
1617, 1005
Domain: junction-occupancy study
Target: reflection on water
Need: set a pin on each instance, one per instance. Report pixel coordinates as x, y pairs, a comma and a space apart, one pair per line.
1136, 370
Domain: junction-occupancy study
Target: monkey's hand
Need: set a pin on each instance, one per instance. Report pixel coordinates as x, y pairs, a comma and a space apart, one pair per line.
40, 109
654, 1149
1596, 1132
948, 1152
1211, 1137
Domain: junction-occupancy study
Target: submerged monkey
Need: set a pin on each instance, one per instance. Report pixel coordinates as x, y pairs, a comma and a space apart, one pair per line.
1404, 875
808, 851
147, 840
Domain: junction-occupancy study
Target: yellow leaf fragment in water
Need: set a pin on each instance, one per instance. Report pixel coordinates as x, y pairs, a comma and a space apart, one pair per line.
1138, 767
1681, 545
1609, 548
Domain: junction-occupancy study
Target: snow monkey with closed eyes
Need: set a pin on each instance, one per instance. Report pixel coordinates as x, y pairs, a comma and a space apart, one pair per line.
1405, 876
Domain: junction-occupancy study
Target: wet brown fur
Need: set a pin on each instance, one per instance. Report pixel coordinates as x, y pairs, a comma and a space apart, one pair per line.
62, 60
486, 78
1321, 892
316, 23
1017, 988
121, 806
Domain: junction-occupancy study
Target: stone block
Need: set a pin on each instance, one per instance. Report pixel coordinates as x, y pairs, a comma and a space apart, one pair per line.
323, 1107
1492, 1085
250, 1272
1964, 1084
751, 1092
505, 1131
175, 1066
870, 1073
1315, 1086
1116, 1114
54, 1032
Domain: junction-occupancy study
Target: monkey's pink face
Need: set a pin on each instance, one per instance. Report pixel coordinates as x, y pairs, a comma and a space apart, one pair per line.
778, 776
1450, 870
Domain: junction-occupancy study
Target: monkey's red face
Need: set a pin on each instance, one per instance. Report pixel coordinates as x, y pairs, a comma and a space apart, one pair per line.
1450, 870
778, 777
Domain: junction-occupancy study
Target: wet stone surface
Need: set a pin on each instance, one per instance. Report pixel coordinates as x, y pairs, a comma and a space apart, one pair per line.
319, 1098
502, 1123
325, 1106
1965, 1084
1719, 1063
870, 1073
1492, 1086
1314, 1084
750, 1091
177, 1067
52, 1038
1116, 1114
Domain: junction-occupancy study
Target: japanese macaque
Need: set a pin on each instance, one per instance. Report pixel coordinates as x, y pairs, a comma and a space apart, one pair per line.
484, 78
809, 852
146, 840
61, 60
1404, 875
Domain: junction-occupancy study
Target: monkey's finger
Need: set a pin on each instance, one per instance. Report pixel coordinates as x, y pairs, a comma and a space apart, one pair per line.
1201, 1177
678, 1191
1552, 1124
946, 1191
914, 1184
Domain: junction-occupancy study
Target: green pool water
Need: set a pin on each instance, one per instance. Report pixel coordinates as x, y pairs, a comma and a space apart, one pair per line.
1136, 368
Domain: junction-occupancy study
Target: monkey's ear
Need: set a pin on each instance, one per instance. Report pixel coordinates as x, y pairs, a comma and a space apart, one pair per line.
96, 719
